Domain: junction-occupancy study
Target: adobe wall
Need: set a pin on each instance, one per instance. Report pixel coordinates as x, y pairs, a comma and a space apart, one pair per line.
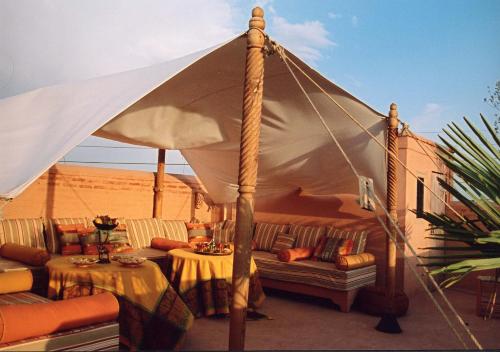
76, 191
412, 154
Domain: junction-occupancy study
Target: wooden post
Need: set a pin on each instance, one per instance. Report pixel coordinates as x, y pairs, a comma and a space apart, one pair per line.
158, 189
392, 198
388, 323
247, 179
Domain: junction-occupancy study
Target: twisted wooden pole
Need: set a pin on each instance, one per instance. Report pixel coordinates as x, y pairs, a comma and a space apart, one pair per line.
389, 323
247, 179
392, 197
158, 189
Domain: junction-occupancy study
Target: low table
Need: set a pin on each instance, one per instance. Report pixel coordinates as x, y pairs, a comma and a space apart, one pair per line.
152, 315
204, 281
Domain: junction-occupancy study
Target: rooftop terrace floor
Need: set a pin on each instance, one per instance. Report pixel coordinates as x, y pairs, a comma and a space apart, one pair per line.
307, 323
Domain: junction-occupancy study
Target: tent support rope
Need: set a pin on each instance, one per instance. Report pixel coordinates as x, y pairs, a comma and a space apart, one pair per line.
285, 58
457, 316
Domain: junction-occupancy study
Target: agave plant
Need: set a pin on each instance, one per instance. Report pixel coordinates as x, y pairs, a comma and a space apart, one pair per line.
474, 161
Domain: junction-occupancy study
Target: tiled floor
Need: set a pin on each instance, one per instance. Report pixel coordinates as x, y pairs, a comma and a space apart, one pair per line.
305, 323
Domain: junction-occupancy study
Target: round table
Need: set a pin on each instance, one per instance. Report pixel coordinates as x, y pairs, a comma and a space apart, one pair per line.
149, 306
204, 281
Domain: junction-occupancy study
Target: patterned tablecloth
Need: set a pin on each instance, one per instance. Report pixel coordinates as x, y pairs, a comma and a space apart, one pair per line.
204, 281
152, 315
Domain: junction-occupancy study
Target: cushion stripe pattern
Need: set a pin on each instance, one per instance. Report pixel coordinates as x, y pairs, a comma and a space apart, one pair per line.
22, 298
309, 272
265, 234
358, 237
175, 230
307, 236
53, 244
283, 241
26, 232
223, 235
141, 231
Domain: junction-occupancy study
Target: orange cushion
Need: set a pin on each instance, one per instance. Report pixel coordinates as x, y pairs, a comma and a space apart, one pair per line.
349, 262
24, 254
289, 255
167, 245
15, 281
193, 226
21, 321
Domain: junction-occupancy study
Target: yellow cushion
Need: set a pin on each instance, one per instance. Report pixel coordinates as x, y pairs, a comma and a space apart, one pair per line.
24, 254
15, 281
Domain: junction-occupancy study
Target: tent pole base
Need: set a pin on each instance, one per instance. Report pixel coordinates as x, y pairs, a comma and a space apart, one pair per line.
389, 324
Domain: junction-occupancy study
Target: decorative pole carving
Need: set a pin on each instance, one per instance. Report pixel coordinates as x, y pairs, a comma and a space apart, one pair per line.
249, 150
388, 322
158, 189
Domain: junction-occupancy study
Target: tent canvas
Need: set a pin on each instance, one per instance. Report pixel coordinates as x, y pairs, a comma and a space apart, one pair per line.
194, 104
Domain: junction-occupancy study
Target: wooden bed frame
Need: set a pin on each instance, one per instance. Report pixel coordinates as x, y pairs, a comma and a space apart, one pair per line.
344, 299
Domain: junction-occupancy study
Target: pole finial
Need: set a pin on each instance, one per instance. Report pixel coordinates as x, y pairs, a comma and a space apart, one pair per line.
393, 116
257, 20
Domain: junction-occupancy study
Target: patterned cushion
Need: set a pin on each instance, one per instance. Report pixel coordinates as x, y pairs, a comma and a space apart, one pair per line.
358, 237
307, 236
26, 232
52, 239
117, 241
175, 230
141, 231
283, 241
69, 240
223, 235
199, 232
265, 234
333, 247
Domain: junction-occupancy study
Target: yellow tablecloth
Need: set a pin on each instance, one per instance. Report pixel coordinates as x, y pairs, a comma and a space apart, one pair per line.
204, 281
147, 301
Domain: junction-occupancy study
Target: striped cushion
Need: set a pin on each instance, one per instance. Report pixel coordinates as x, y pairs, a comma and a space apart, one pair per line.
229, 225
312, 273
53, 245
307, 236
265, 235
141, 231
22, 298
359, 238
175, 230
223, 235
283, 241
26, 232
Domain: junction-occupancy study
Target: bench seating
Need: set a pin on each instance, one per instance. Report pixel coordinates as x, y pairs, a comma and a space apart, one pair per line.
97, 337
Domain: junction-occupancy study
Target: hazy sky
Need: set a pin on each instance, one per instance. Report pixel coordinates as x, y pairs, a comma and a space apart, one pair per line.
434, 58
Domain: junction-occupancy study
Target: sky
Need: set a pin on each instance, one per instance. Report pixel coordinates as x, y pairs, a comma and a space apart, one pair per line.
435, 59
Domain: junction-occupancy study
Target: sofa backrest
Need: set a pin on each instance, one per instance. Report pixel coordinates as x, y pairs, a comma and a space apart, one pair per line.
175, 230
53, 244
26, 232
141, 231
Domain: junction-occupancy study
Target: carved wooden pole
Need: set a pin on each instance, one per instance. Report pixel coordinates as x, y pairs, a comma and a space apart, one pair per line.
388, 323
158, 189
249, 150
392, 198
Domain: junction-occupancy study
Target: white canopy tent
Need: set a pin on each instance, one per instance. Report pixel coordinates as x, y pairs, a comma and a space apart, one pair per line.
194, 104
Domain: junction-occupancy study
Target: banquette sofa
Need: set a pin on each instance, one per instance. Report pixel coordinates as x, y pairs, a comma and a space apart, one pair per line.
311, 277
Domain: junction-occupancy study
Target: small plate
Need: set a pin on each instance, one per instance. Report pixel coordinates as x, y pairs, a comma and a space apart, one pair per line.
83, 262
227, 251
130, 261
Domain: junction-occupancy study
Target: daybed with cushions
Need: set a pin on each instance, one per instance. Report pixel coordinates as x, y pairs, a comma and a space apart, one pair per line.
311, 277
29, 322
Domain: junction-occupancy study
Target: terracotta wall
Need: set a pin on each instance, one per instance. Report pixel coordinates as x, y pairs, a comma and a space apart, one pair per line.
412, 152
73, 191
